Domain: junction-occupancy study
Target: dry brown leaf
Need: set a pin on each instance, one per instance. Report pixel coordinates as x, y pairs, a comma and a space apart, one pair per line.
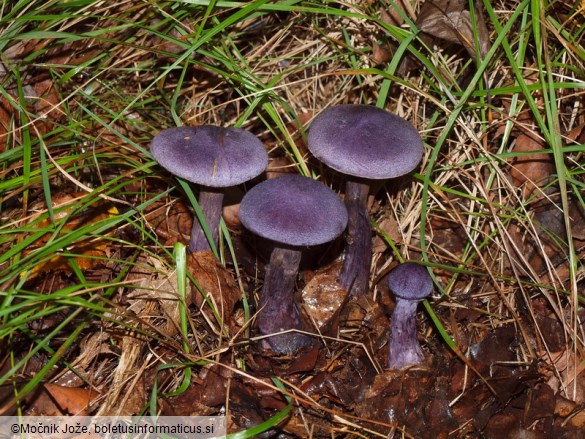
578, 419
448, 236
217, 282
391, 16
88, 249
73, 400
380, 54
577, 134
577, 218
155, 283
531, 170
450, 20
563, 406
323, 296
390, 227
305, 426
47, 99
569, 378
172, 223
43, 404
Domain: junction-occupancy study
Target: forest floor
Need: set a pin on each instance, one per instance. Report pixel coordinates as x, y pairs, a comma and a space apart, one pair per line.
104, 312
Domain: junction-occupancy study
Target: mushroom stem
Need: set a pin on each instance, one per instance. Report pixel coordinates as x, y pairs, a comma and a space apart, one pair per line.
278, 311
403, 345
210, 201
355, 273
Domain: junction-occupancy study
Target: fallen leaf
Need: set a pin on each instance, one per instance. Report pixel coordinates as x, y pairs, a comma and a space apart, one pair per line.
43, 404
380, 54
531, 170
391, 15
245, 406
154, 282
73, 400
494, 347
89, 250
388, 226
577, 134
538, 404
399, 398
449, 237
303, 361
450, 20
569, 376
217, 283
563, 406
172, 223
323, 296
578, 419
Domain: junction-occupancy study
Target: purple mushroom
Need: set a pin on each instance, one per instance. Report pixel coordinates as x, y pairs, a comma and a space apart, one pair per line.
366, 143
213, 157
410, 283
294, 212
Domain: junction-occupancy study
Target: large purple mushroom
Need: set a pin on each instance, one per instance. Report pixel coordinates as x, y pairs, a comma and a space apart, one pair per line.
294, 212
215, 158
410, 283
366, 143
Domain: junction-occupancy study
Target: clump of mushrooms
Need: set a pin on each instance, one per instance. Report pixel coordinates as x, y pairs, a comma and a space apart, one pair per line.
293, 211
410, 283
215, 158
366, 143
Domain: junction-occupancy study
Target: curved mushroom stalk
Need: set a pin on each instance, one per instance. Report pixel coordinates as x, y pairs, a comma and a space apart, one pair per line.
355, 272
278, 311
410, 283
211, 202
403, 347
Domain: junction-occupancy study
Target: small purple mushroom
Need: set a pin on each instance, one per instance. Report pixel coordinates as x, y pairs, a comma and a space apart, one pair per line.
367, 143
213, 157
294, 212
410, 283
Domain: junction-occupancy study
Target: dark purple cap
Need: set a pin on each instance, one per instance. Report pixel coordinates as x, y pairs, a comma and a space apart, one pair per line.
209, 155
294, 210
410, 281
365, 141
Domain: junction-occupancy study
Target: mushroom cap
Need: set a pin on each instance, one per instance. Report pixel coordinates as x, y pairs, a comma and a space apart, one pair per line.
365, 141
210, 155
293, 210
410, 281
